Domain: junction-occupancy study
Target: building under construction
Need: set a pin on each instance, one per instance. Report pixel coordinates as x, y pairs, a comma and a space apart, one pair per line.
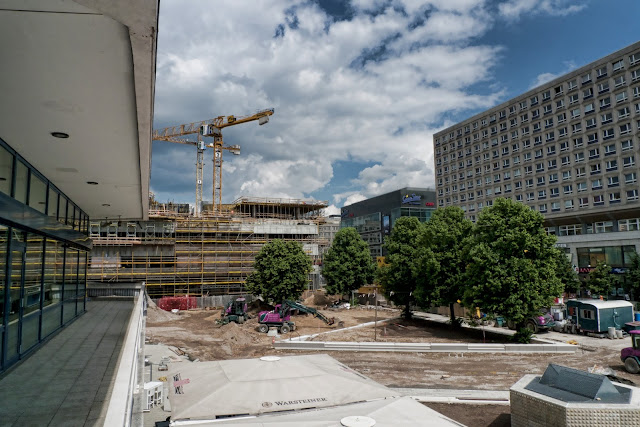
177, 253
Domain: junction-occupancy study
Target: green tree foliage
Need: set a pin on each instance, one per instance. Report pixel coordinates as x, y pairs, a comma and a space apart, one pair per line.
511, 262
397, 276
347, 264
280, 271
441, 262
633, 276
567, 274
600, 280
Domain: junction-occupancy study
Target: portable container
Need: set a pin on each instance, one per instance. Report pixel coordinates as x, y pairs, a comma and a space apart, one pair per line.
592, 315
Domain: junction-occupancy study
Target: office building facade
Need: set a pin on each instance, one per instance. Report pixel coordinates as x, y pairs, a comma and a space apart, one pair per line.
374, 218
568, 149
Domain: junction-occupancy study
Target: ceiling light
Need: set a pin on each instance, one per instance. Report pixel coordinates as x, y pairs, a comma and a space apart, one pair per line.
60, 135
92, 183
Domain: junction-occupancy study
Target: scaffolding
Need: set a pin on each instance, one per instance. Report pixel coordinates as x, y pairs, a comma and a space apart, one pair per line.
176, 253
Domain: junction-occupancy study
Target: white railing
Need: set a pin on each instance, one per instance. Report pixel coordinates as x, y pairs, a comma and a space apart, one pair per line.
121, 403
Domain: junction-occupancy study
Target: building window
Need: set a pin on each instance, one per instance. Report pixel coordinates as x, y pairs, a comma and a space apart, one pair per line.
542, 207
621, 96
587, 93
618, 65
570, 230
604, 102
573, 99
579, 157
586, 78
594, 153
555, 206
612, 165
568, 204
625, 129
603, 87
567, 189
580, 172
601, 72
583, 202
628, 161
581, 186
613, 181
553, 178
603, 227
595, 169
577, 142
632, 195
614, 198
566, 175
626, 145
619, 81
623, 112
576, 127
598, 200
630, 178
589, 108
596, 184
629, 224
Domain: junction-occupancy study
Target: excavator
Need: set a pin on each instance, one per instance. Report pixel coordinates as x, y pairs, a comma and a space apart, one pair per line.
234, 311
280, 317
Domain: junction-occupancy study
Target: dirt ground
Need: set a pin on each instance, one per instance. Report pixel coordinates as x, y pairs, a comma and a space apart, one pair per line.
197, 333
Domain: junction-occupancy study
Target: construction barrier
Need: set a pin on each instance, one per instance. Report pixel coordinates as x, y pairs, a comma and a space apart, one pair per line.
180, 303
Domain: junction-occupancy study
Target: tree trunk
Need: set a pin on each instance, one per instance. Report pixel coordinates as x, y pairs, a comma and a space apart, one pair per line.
407, 309
452, 314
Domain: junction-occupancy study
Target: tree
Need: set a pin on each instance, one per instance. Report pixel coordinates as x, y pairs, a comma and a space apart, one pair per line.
441, 263
347, 264
633, 276
397, 276
600, 281
567, 274
280, 271
511, 262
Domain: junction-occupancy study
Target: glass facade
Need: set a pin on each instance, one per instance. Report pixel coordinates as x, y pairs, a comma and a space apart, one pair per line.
615, 256
43, 260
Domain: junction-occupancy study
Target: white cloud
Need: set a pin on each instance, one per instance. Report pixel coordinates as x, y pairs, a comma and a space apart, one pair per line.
331, 210
371, 89
547, 77
513, 9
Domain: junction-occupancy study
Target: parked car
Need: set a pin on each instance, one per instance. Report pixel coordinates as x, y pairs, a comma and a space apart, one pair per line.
541, 322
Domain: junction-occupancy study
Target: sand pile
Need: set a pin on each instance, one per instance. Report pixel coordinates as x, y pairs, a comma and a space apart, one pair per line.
318, 299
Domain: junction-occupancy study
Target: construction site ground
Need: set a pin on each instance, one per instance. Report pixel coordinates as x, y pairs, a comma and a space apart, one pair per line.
197, 333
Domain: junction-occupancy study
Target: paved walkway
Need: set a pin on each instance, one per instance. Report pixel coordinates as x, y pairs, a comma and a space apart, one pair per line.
68, 381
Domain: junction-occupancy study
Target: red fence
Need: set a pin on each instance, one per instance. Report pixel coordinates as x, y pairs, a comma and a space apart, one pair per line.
181, 303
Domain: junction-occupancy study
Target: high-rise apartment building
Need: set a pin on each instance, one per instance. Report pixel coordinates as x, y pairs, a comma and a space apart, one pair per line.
568, 149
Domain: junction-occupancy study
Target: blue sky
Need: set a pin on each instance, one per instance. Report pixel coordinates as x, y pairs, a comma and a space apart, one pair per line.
359, 87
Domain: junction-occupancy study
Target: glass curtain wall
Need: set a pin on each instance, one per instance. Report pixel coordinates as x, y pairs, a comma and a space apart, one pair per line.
43, 278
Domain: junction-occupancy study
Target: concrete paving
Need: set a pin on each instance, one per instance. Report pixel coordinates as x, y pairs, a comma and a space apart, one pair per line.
68, 381
474, 397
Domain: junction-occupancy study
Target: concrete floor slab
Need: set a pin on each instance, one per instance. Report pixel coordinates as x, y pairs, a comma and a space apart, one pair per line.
67, 381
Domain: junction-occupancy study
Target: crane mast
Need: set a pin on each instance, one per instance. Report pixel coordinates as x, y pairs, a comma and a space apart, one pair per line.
209, 128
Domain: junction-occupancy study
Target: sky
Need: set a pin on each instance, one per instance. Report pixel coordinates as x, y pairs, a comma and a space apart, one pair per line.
358, 87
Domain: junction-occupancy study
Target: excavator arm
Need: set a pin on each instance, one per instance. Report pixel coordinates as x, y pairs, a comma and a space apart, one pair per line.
303, 308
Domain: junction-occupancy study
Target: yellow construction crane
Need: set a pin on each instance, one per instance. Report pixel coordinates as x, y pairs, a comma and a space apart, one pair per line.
209, 128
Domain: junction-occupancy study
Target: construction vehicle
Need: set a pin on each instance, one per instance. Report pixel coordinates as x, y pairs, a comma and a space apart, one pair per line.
280, 317
209, 128
235, 311
630, 356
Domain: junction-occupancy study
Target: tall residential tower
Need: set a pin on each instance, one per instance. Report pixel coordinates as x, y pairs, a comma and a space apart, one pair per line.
568, 149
